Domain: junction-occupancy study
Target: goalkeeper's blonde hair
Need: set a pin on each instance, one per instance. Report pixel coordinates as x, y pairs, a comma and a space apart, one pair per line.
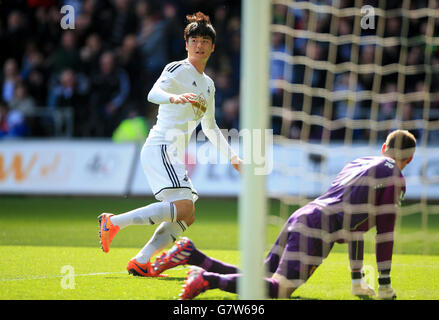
400, 145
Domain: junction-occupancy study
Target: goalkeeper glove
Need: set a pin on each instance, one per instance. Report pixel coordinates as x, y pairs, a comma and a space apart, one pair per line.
385, 290
359, 285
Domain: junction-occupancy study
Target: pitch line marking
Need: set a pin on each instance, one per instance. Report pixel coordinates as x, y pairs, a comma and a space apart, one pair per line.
180, 268
76, 275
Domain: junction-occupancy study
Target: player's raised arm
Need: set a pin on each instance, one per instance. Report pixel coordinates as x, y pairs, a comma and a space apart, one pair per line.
215, 136
159, 96
161, 92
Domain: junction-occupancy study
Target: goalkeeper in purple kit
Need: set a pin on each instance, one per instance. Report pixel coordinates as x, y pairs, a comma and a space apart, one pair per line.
366, 193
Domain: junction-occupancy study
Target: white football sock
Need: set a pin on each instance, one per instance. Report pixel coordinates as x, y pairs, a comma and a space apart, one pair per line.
150, 214
164, 236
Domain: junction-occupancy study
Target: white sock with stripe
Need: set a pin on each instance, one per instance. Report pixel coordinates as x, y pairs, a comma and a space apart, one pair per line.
163, 237
151, 214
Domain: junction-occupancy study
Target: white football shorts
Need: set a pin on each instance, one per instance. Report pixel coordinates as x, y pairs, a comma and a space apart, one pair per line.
167, 175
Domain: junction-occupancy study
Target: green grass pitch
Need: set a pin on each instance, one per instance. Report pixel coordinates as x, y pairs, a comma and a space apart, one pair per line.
44, 241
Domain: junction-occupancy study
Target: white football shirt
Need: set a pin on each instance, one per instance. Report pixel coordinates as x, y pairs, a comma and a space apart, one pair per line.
176, 122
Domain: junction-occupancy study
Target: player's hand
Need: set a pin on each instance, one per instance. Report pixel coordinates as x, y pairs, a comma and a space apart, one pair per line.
236, 163
183, 98
386, 292
361, 288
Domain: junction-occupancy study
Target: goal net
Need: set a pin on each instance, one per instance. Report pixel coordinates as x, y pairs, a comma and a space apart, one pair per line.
343, 74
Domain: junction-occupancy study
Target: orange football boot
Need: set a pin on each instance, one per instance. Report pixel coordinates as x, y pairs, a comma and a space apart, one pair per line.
142, 269
179, 254
107, 231
194, 284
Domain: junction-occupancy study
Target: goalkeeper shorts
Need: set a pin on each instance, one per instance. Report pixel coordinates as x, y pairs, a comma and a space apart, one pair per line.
166, 173
299, 249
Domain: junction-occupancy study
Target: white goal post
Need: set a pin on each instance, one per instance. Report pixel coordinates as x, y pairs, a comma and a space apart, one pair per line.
255, 102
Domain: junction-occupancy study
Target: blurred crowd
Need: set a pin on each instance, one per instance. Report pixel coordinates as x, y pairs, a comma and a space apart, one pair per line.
413, 69
103, 69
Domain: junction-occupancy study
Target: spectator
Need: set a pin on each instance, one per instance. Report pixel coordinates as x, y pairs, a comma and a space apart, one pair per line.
154, 49
141, 11
391, 54
314, 51
133, 128
175, 42
12, 123
32, 57
223, 91
221, 19
46, 30
109, 91
279, 69
36, 83
9, 79
344, 50
388, 109
71, 93
230, 114
123, 22
234, 54
415, 57
367, 56
406, 113
393, 27
66, 56
22, 101
25, 104
90, 54
280, 12
15, 37
129, 58
83, 26
345, 109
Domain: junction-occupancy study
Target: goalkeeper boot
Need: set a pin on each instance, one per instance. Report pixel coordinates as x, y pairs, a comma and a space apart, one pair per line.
107, 231
361, 289
194, 284
141, 269
178, 255
386, 292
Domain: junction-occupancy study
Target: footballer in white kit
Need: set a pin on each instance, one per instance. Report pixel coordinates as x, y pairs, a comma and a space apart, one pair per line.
163, 153
186, 97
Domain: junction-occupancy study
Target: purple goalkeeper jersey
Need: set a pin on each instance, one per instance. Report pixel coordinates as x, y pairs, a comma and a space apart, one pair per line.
366, 193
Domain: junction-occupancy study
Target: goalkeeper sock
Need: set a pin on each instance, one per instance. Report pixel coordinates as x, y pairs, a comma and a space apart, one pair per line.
384, 277
357, 275
199, 259
165, 235
150, 214
227, 282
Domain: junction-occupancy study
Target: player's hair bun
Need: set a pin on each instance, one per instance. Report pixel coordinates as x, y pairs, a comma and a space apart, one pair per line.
198, 17
199, 25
